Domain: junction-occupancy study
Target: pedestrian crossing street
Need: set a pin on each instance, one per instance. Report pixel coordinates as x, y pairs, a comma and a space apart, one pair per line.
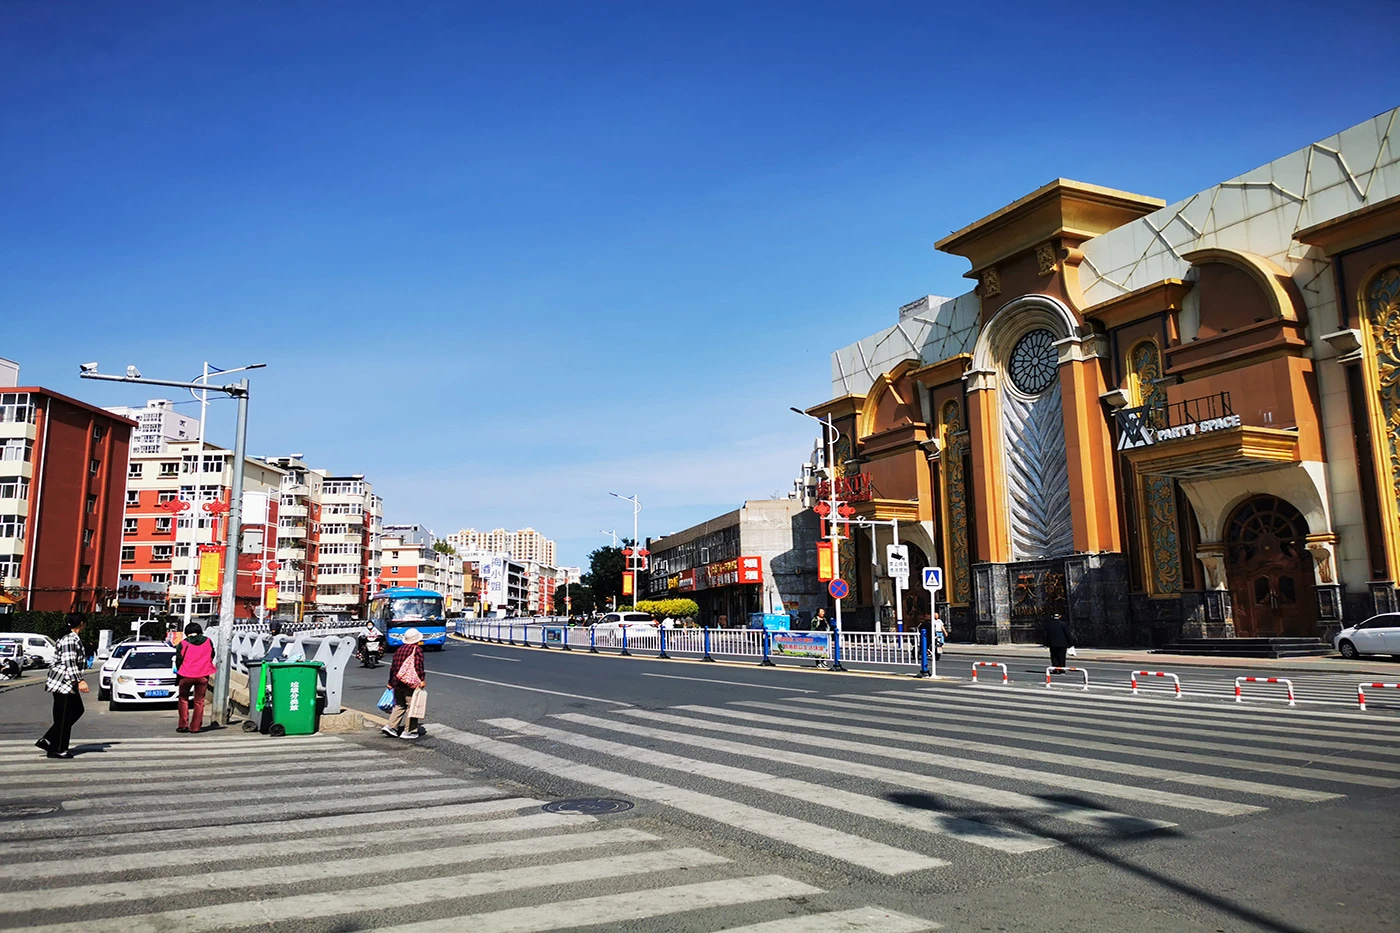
321, 833
851, 791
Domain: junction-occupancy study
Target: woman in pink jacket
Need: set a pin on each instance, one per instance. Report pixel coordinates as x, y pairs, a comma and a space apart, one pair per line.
194, 665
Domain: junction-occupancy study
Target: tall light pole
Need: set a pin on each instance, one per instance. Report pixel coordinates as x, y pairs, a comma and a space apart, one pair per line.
233, 530
632, 561
833, 534
612, 533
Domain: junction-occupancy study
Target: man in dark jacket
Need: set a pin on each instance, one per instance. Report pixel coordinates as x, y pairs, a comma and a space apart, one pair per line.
1059, 639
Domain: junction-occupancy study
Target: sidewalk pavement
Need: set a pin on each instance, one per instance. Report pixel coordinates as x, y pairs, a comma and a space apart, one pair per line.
1382, 666
26, 710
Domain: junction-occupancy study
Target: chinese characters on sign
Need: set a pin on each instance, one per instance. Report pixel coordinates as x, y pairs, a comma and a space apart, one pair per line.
854, 487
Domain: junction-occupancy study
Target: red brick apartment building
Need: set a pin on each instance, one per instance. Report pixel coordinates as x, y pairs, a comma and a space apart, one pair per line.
62, 479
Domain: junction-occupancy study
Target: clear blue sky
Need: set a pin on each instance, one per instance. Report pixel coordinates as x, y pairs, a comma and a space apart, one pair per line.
504, 258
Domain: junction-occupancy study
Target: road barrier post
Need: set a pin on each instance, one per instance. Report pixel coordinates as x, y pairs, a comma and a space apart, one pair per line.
836, 650
1362, 688
924, 670
512, 634
767, 650
1264, 680
1066, 670
1005, 680
592, 640
625, 652
1175, 680
661, 631
565, 639
707, 657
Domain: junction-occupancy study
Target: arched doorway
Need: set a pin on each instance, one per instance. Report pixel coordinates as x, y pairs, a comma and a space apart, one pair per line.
1269, 570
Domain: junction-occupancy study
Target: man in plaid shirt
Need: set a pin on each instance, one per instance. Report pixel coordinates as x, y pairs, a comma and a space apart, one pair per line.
65, 682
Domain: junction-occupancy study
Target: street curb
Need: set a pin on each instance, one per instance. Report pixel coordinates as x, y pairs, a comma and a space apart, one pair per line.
7, 687
787, 668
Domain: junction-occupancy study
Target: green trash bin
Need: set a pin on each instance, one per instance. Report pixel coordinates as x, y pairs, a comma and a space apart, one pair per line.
292, 687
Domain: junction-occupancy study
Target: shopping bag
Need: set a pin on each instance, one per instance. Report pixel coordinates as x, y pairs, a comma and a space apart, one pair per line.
418, 704
386, 699
407, 674
1070, 652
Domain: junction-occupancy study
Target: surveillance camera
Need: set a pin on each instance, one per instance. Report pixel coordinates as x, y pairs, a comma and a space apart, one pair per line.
87, 367
133, 373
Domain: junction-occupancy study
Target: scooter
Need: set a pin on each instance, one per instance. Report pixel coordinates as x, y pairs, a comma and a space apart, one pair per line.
371, 650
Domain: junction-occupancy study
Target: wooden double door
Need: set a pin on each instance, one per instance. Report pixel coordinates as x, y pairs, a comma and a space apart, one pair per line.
1269, 570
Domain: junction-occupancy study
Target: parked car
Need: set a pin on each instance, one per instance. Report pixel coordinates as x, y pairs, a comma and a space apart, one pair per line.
1377, 635
145, 675
119, 651
11, 659
617, 621
39, 650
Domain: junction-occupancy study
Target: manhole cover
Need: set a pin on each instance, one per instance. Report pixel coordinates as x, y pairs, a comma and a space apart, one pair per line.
592, 806
20, 810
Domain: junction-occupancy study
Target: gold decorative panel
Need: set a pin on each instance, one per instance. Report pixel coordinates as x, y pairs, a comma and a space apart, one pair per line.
1161, 546
955, 496
1382, 307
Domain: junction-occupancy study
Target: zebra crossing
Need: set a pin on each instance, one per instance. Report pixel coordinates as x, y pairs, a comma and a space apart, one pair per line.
324, 833
945, 777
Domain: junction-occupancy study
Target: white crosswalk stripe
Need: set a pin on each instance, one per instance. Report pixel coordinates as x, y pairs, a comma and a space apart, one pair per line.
159, 850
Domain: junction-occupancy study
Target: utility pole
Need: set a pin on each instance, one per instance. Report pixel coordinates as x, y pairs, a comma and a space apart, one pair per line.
634, 560
233, 530
833, 533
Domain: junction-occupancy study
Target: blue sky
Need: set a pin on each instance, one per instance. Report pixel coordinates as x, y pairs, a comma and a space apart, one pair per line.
505, 258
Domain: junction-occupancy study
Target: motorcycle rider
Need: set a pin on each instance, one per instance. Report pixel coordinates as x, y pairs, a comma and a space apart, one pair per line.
362, 640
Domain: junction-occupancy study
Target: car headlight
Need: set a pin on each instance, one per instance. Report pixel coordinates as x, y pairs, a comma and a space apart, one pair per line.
124, 679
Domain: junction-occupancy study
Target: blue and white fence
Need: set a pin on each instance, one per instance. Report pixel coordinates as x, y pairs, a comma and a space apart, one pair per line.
905, 652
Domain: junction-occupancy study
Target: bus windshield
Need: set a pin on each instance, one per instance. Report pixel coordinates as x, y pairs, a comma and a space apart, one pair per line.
415, 608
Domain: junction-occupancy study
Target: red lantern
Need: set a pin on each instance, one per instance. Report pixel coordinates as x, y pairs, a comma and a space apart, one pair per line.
217, 507
846, 510
627, 552
822, 509
174, 506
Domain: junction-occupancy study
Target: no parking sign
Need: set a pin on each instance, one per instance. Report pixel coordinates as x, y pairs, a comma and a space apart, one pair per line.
838, 589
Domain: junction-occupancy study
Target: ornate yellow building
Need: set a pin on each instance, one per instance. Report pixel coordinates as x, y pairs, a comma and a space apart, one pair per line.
1162, 421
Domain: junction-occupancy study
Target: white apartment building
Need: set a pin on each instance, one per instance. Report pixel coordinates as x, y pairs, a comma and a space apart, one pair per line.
327, 540
524, 545
158, 425
411, 559
160, 544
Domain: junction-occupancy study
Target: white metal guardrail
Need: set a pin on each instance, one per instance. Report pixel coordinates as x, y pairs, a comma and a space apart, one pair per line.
333, 651
905, 652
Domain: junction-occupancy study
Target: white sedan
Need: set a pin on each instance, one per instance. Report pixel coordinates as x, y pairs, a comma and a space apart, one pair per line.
145, 675
1377, 635
119, 650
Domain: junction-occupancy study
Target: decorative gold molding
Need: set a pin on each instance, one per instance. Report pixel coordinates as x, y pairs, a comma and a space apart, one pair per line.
1045, 258
839, 407
991, 282
1232, 450
1380, 333
944, 372
1161, 297
906, 510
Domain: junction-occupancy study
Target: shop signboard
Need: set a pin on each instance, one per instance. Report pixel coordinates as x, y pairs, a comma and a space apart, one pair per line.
140, 595
801, 644
750, 570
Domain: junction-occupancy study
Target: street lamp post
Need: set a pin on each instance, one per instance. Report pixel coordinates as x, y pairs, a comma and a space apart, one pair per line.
633, 560
233, 530
833, 534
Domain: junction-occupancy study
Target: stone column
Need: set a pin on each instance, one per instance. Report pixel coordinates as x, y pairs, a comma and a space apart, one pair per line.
1322, 547
1219, 614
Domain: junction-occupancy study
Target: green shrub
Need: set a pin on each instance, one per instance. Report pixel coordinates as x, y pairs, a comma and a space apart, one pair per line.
670, 608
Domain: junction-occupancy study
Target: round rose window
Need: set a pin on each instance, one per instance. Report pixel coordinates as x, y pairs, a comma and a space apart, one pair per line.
1034, 362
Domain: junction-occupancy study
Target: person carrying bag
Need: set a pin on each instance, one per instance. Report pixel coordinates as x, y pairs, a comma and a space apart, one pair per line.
408, 680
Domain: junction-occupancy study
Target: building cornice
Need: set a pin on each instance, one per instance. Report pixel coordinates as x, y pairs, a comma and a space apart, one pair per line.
1357, 228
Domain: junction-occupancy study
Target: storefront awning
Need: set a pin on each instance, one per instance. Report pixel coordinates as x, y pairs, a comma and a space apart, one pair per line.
1241, 449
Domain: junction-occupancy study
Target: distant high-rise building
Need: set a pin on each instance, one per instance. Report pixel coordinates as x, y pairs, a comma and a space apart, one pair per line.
527, 544
158, 425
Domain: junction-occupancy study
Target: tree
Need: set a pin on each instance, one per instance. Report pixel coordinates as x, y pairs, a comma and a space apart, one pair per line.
442, 547
604, 577
581, 595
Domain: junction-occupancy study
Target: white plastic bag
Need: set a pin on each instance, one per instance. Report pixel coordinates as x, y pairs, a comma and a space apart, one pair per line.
1071, 652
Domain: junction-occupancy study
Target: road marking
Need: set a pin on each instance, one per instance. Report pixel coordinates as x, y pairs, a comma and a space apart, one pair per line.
309, 845
360, 900
51, 897
124, 764
979, 766
150, 840
860, 920
977, 833
614, 909
1174, 724
495, 657
49, 775
235, 784
732, 683
267, 810
347, 791
989, 796
497, 683
810, 837
1117, 748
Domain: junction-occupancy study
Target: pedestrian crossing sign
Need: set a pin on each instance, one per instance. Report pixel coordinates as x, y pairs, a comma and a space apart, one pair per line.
933, 578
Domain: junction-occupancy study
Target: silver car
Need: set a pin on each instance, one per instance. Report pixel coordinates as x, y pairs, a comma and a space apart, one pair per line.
109, 666
1377, 635
145, 676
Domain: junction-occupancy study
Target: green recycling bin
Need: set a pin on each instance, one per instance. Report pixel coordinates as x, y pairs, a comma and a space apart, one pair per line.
292, 687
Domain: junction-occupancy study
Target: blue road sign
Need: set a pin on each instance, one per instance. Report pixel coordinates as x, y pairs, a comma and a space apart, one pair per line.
838, 589
933, 578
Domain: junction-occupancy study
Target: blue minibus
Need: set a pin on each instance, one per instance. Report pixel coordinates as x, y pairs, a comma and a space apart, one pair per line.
400, 608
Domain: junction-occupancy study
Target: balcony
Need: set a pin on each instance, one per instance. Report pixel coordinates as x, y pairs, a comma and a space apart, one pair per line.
292, 511
300, 490
332, 579
291, 531
1200, 438
291, 553
338, 599
327, 538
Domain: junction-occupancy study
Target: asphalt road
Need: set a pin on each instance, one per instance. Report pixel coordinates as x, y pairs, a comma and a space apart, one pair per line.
780, 801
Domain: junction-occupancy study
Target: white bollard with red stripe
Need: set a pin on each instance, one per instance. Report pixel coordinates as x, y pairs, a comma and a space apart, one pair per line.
1175, 680
976, 664
1362, 688
1066, 670
1264, 680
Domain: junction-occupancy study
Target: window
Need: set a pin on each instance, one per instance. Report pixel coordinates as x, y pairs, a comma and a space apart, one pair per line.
160, 578
133, 470
16, 407
161, 553
91, 504
163, 526
94, 466
9, 568
167, 496
214, 464
17, 449
126, 577
85, 573
182, 550
87, 537
98, 432
128, 553
14, 487
133, 497
128, 526
393, 570
169, 469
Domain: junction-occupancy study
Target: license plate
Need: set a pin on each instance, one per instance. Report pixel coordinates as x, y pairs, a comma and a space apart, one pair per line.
157, 693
